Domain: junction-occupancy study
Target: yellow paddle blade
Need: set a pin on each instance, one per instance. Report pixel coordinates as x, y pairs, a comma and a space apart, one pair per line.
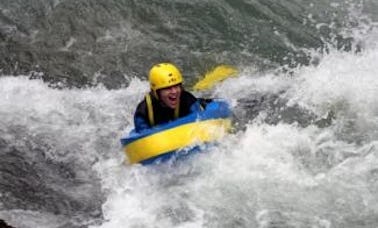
218, 74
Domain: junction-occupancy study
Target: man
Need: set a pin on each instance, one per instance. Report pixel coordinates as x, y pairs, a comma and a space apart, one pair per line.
167, 99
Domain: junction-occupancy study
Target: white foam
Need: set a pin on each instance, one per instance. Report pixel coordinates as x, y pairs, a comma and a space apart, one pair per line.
299, 172
282, 173
69, 119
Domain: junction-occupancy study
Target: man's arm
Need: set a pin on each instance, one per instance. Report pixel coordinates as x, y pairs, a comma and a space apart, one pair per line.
140, 117
204, 101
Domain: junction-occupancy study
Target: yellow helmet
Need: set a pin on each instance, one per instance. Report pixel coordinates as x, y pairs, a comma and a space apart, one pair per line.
164, 75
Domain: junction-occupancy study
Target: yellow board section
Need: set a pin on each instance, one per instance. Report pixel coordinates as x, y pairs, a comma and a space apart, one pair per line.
176, 138
218, 74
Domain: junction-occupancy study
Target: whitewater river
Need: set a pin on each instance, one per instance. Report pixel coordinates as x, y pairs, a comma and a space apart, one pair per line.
304, 152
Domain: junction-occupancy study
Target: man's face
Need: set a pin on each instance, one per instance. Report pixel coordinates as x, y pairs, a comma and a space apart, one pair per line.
170, 96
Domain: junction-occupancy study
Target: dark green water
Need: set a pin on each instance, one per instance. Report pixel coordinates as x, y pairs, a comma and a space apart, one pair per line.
83, 42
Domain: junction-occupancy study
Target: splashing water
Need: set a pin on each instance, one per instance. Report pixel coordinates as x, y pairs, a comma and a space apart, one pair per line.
282, 175
63, 165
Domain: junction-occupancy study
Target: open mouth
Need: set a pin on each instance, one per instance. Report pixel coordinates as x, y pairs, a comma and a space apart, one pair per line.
172, 99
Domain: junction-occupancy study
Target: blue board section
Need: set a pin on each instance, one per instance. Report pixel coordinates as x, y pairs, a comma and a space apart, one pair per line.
172, 155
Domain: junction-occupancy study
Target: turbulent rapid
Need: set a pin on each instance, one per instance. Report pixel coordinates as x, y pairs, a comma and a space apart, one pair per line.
304, 150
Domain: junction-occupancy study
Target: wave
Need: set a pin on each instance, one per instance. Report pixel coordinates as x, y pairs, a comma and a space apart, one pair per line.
86, 42
289, 162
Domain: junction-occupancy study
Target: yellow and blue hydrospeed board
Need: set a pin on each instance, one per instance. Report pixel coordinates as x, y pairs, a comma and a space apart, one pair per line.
164, 141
